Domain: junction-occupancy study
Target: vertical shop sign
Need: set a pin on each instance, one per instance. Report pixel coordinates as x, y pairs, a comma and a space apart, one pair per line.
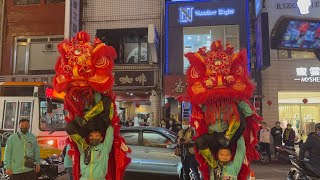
74, 17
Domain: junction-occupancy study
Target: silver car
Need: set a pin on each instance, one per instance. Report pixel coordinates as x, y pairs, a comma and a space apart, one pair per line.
152, 150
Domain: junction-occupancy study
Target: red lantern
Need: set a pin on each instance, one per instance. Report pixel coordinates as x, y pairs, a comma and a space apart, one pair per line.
167, 105
137, 105
305, 100
269, 102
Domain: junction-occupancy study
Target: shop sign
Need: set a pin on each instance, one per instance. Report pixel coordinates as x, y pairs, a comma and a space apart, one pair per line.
28, 78
302, 5
188, 13
134, 78
175, 85
308, 75
74, 17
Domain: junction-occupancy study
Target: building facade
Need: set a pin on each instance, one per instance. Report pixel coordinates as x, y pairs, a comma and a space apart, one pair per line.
191, 25
133, 28
31, 32
290, 86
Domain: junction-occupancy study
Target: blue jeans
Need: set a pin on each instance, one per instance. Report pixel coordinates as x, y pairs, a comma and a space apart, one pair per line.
69, 171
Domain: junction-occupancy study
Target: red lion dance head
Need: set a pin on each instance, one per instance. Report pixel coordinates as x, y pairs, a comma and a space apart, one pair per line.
218, 74
82, 68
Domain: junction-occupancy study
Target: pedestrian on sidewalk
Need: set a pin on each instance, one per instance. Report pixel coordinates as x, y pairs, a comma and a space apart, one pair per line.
265, 135
289, 135
276, 133
22, 153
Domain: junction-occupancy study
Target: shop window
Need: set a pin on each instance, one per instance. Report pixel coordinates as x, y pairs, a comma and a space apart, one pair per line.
36, 55
55, 1
131, 44
153, 139
197, 37
53, 121
26, 2
289, 54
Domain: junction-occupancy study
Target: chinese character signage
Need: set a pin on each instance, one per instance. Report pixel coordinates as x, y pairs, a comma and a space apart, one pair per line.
308, 74
175, 85
74, 17
28, 78
134, 78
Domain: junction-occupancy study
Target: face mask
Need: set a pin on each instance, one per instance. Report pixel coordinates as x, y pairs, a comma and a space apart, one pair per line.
95, 142
24, 130
185, 127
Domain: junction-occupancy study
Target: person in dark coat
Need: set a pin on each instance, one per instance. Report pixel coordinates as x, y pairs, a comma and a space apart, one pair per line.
276, 133
312, 145
289, 136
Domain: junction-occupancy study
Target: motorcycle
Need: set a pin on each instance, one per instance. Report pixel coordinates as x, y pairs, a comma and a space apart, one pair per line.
51, 167
302, 170
283, 152
264, 158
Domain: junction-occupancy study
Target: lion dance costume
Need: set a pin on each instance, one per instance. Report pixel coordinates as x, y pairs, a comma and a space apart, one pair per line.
219, 90
84, 74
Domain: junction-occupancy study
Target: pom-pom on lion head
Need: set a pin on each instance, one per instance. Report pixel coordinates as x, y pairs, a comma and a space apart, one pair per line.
84, 64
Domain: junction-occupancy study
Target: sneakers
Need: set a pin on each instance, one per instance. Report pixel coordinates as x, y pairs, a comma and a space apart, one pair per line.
87, 156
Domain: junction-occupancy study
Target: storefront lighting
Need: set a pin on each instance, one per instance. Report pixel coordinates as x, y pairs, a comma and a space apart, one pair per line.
248, 30
131, 94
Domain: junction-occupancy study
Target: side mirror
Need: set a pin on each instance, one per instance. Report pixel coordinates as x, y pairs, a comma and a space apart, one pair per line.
49, 105
171, 146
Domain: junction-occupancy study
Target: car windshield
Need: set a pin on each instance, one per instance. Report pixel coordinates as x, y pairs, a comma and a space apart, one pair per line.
53, 121
172, 135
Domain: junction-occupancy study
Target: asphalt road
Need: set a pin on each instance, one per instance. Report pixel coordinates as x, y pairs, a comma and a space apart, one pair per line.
272, 171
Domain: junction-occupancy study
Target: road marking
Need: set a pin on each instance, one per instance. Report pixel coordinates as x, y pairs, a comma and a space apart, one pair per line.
278, 170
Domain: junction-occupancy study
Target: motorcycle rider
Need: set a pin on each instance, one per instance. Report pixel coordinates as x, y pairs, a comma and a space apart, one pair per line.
312, 145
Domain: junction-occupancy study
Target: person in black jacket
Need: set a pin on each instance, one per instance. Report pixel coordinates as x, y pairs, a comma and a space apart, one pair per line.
312, 145
276, 133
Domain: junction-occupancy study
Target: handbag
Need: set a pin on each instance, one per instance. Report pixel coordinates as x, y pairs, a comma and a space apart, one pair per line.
177, 151
28, 161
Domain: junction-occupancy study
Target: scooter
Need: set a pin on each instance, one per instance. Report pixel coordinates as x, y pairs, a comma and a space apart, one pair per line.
264, 158
283, 153
302, 170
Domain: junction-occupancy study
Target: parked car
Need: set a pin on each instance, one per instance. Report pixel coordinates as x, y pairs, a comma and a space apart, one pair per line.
152, 150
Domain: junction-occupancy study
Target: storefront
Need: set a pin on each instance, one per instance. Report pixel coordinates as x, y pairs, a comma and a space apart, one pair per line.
137, 96
190, 25
194, 24
291, 94
290, 86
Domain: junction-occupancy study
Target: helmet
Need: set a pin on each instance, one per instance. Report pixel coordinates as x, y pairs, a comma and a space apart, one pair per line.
317, 126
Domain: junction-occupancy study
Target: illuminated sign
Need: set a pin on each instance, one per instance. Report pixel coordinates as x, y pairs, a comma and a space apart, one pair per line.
187, 14
303, 6
308, 75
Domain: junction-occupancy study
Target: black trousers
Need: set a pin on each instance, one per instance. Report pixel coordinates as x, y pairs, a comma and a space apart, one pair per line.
189, 162
30, 175
276, 143
265, 147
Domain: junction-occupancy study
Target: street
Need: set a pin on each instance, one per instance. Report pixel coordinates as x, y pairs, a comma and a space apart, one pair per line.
272, 171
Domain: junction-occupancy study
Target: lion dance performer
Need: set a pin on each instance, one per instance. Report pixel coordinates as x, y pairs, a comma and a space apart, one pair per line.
219, 90
84, 74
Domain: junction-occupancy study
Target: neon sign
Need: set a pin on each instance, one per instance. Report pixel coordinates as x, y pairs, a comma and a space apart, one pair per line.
307, 75
187, 14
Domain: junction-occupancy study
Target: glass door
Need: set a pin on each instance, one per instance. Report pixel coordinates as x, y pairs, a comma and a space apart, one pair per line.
10, 115
25, 111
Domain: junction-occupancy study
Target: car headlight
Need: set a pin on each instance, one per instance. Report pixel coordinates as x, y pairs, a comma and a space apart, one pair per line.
44, 162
